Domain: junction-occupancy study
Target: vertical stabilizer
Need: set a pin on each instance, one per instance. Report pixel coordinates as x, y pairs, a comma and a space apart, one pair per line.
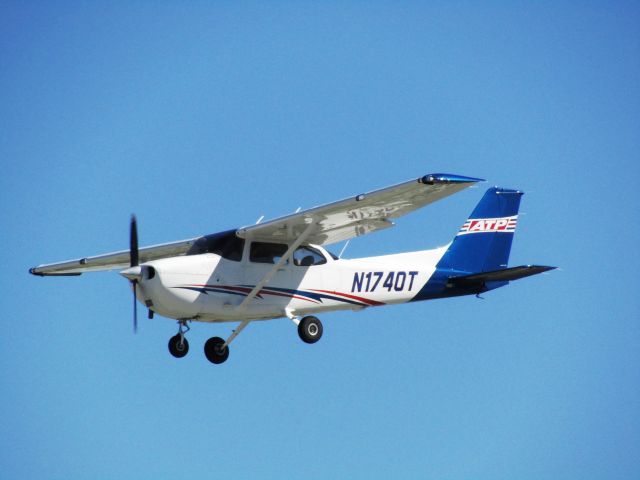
484, 241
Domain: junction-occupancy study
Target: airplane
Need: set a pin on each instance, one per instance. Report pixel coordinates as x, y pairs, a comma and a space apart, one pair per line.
280, 268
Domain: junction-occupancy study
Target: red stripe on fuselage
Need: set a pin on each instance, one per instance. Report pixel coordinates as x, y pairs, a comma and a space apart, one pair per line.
372, 303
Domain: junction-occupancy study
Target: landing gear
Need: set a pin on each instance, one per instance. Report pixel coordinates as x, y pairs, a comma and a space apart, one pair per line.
178, 344
310, 329
215, 351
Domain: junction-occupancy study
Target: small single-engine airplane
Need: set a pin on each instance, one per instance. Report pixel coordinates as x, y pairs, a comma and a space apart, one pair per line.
280, 269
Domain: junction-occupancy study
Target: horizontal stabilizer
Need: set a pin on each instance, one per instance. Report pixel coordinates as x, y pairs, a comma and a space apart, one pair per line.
505, 275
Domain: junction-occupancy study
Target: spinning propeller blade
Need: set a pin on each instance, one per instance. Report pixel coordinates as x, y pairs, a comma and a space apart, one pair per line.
133, 242
135, 309
133, 252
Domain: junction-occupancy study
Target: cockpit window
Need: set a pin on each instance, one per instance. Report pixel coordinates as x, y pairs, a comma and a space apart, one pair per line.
226, 244
263, 252
308, 256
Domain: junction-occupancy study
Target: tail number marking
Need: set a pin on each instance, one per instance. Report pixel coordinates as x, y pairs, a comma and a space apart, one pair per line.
370, 281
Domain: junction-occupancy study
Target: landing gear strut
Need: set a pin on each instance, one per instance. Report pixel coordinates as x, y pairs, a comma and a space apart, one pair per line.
310, 329
178, 344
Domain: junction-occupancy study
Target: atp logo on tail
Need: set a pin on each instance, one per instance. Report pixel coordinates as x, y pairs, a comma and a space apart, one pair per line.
483, 225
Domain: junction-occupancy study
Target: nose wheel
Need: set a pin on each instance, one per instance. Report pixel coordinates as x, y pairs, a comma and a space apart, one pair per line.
178, 344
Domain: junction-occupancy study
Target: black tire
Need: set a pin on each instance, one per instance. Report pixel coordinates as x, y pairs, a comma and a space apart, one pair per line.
176, 348
213, 352
310, 329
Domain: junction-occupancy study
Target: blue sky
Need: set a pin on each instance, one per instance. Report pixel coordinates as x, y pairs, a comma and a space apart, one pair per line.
205, 116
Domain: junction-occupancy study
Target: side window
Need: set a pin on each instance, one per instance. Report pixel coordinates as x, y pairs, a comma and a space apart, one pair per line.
307, 257
263, 252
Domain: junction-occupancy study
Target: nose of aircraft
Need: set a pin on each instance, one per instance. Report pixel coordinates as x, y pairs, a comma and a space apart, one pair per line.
132, 273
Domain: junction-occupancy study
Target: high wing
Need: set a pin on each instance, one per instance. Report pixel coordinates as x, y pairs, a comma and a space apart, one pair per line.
330, 223
110, 261
359, 215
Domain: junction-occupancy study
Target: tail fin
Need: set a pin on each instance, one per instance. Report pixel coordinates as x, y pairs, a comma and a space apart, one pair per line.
483, 243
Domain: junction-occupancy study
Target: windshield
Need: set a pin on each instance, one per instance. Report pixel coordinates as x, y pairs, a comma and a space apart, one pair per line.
226, 244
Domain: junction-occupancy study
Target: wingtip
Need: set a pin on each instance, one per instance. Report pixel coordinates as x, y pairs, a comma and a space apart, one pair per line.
33, 271
444, 178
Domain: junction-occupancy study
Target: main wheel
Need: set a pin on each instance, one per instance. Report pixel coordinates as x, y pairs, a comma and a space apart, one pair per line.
214, 352
178, 348
310, 329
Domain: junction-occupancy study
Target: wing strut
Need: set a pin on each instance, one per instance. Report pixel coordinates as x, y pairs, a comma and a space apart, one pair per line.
260, 285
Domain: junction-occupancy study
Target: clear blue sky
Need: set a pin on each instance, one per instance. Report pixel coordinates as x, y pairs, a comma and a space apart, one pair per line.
203, 116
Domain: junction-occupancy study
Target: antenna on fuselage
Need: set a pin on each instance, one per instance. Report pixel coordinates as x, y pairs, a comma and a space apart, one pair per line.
260, 219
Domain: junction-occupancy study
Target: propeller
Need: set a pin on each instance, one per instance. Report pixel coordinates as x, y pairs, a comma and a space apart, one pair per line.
133, 255
135, 271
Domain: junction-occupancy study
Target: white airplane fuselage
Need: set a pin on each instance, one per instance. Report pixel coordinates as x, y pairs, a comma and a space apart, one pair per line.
277, 268
210, 288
